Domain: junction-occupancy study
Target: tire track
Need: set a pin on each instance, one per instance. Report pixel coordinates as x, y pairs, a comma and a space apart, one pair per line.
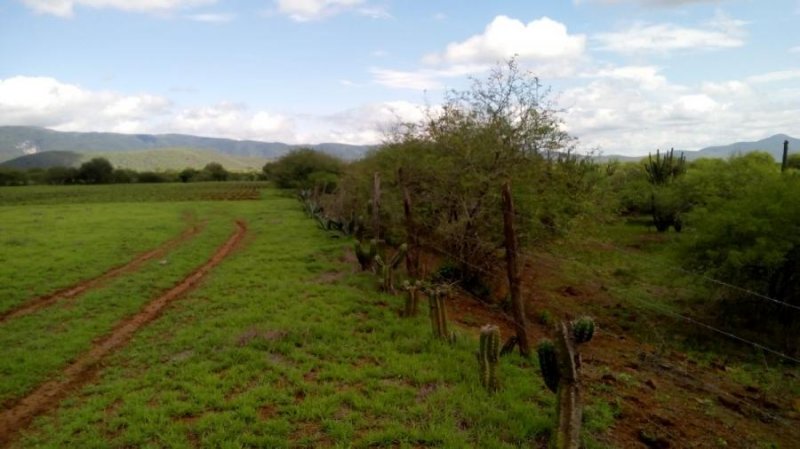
86, 367
41, 302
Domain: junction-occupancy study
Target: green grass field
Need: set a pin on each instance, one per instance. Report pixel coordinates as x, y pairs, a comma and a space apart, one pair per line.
281, 345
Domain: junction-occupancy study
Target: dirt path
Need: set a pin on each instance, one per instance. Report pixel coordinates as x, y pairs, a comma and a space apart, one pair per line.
86, 367
36, 304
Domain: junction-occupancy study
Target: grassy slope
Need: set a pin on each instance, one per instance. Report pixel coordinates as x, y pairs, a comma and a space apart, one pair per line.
177, 159
281, 347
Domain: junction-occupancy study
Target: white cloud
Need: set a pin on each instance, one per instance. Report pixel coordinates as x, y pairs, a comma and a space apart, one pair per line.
66, 8
504, 37
720, 32
633, 110
366, 124
661, 3
774, 77
47, 102
310, 10
795, 49
423, 79
43, 101
212, 17
543, 46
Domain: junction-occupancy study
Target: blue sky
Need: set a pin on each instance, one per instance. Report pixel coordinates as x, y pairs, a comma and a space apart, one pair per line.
631, 75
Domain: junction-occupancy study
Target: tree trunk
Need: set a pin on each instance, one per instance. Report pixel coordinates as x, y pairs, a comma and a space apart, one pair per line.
376, 206
412, 255
512, 265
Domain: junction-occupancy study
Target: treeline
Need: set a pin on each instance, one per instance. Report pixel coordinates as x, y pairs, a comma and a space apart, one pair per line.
737, 221
101, 171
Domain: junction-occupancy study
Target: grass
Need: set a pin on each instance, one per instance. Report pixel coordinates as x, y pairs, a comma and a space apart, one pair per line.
48, 247
39, 344
281, 346
127, 193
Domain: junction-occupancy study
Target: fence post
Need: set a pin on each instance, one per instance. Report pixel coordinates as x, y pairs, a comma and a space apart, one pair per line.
512, 266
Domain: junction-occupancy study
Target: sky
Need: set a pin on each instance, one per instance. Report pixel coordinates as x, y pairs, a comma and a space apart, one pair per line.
629, 76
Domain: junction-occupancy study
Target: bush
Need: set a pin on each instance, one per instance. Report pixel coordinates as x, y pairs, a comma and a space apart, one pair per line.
96, 171
305, 169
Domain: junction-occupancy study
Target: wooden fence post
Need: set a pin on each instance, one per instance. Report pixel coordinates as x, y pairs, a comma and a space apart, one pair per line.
512, 266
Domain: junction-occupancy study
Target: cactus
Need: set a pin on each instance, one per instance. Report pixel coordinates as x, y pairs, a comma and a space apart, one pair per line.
548, 364
366, 254
583, 329
560, 366
488, 357
388, 267
438, 312
412, 299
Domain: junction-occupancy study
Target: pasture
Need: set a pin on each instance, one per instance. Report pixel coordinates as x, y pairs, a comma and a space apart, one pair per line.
280, 344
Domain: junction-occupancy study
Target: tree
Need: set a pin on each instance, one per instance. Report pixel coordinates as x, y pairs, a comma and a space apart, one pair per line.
96, 171
455, 161
214, 171
188, 174
305, 168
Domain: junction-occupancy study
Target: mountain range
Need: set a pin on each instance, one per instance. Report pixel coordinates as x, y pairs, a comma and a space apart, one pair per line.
32, 147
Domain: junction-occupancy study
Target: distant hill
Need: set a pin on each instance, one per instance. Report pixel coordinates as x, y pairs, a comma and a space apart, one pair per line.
45, 160
772, 145
18, 141
140, 160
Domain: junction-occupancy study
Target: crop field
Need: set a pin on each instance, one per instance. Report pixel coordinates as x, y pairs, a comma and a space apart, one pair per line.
280, 344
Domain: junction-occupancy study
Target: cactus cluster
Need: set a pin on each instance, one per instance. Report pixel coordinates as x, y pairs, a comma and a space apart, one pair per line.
412, 298
365, 253
388, 266
438, 312
560, 367
489, 356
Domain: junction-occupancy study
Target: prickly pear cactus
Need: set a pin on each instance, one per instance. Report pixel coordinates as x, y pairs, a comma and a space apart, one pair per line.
548, 364
583, 329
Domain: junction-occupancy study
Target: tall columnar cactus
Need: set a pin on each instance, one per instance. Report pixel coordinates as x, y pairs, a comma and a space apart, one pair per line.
438, 312
412, 299
488, 357
387, 267
548, 364
366, 254
560, 368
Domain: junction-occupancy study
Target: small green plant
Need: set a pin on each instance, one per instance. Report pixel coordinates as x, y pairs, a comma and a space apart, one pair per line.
365, 253
387, 267
583, 329
489, 356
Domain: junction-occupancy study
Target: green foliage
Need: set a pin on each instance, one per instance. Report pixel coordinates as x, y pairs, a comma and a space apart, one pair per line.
453, 165
96, 171
12, 177
305, 169
489, 356
583, 329
365, 253
751, 239
213, 171
387, 267
548, 364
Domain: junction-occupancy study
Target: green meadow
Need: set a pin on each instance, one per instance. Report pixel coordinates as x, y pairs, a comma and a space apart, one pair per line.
283, 345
